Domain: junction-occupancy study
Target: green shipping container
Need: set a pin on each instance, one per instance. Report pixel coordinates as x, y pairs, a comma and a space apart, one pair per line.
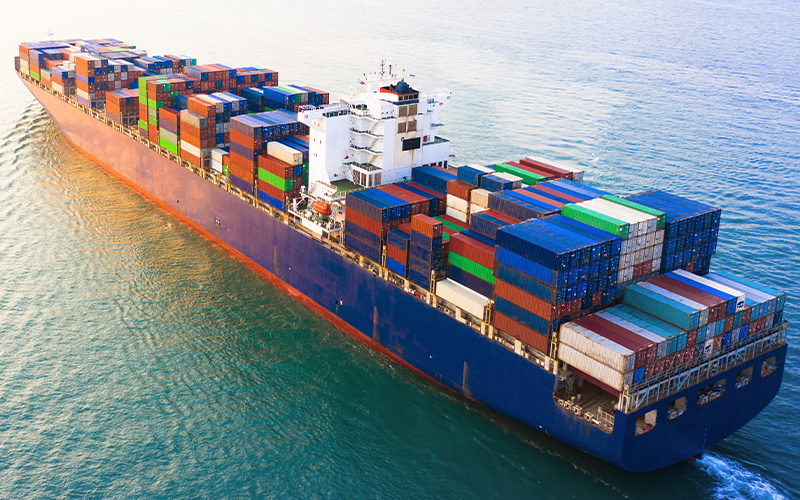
471, 267
662, 307
598, 220
224, 170
283, 185
36, 76
527, 177
450, 225
661, 217
143, 124
169, 146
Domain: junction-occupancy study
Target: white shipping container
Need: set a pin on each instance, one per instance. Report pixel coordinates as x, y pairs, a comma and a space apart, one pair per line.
194, 150
509, 177
480, 197
452, 212
596, 369
284, 153
461, 296
482, 168
190, 118
597, 347
638, 257
650, 239
656, 265
216, 166
218, 154
476, 209
722, 284
458, 203
659, 236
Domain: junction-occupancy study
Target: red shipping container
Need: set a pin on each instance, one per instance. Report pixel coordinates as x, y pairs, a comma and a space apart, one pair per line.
547, 175
428, 226
395, 253
459, 189
728, 324
713, 302
526, 301
691, 338
373, 226
688, 355
545, 189
522, 333
405, 227
275, 166
474, 250
746, 314
556, 171
536, 197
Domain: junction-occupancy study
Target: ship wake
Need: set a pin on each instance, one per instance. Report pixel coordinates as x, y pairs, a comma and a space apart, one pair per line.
734, 482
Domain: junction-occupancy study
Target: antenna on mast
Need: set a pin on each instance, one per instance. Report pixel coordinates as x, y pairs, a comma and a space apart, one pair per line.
50, 34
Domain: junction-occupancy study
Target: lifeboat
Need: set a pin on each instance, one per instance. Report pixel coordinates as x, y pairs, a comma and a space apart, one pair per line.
322, 207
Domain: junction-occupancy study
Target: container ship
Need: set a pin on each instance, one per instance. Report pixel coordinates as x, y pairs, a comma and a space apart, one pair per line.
592, 317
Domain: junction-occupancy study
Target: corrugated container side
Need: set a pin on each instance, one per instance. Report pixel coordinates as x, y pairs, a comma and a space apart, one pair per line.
461, 296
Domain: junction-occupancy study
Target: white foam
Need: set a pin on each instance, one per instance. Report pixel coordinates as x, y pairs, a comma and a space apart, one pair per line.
734, 482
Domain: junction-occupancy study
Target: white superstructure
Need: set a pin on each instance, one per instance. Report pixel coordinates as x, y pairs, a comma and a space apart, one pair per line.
376, 135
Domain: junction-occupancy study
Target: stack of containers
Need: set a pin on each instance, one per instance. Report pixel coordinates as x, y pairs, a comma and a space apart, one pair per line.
158, 65
572, 188
550, 271
458, 195
249, 137
766, 305
198, 127
369, 216
519, 206
560, 171
169, 129
91, 79
121, 75
432, 178
213, 77
315, 97
62, 80
122, 106
471, 262
252, 77
425, 249
280, 175
605, 352
179, 62
640, 256
156, 93
691, 230
397, 248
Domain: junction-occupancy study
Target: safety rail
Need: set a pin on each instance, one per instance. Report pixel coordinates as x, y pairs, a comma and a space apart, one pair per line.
700, 370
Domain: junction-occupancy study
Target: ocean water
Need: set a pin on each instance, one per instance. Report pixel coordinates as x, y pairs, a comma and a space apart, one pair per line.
138, 360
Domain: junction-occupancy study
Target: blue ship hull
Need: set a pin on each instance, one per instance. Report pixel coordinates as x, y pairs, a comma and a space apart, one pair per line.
404, 327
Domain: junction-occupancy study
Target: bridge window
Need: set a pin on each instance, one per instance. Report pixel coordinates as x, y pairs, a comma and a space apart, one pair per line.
676, 408
768, 366
744, 377
646, 422
710, 393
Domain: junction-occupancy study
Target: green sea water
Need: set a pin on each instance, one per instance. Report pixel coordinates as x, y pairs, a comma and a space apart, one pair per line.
138, 360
